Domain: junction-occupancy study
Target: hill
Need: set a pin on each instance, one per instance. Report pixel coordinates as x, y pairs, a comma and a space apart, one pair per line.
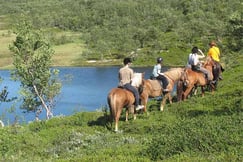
198, 129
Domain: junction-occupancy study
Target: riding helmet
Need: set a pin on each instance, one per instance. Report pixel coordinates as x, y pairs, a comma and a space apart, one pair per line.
159, 59
127, 60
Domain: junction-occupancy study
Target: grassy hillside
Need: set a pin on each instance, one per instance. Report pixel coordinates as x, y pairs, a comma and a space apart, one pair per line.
199, 129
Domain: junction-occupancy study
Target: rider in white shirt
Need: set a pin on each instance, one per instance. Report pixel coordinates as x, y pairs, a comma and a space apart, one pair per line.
194, 63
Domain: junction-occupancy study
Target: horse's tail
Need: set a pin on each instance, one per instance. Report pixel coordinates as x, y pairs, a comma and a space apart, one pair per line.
112, 105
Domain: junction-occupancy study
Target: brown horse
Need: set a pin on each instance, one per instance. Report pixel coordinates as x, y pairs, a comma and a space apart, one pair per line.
191, 79
153, 88
119, 98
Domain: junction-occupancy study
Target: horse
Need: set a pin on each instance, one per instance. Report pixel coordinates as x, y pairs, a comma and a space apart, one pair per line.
191, 79
153, 88
119, 98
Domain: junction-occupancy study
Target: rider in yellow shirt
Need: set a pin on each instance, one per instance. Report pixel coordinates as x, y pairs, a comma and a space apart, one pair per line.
214, 52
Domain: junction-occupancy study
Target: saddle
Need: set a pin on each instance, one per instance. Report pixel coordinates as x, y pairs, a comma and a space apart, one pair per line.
196, 69
140, 88
154, 78
156, 84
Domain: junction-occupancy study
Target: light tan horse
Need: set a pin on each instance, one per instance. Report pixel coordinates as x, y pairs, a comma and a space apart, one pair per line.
191, 78
153, 88
119, 98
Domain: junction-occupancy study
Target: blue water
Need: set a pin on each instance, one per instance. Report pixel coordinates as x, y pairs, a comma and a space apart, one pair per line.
83, 89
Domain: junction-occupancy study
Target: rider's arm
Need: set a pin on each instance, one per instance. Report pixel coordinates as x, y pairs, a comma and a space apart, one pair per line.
201, 54
160, 73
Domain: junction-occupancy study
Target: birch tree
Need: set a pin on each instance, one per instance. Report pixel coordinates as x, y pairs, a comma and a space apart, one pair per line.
32, 60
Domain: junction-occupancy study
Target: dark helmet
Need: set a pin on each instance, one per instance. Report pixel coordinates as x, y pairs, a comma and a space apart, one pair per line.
159, 59
194, 50
127, 60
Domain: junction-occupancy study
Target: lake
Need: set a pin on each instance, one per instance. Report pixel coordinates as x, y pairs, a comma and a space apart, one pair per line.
83, 89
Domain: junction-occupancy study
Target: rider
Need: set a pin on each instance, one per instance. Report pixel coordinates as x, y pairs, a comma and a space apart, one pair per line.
195, 64
214, 53
159, 75
125, 80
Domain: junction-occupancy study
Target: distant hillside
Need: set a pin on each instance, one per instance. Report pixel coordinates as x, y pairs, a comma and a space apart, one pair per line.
110, 29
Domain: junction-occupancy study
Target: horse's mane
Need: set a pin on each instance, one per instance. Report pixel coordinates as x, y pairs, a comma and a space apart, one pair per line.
209, 61
174, 73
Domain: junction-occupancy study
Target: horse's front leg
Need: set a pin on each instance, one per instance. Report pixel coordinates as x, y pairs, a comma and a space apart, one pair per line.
187, 91
127, 113
170, 98
132, 110
213, 87
144, 101
134, 113
203, 91
179, 90
166, 95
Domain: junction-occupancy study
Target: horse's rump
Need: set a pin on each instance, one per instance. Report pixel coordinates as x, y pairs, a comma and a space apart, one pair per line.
120, 97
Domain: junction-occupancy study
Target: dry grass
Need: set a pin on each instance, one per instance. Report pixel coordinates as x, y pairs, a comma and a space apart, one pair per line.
65, 55
6, 39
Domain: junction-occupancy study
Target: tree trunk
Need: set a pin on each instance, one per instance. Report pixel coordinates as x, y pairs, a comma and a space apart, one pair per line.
48, 111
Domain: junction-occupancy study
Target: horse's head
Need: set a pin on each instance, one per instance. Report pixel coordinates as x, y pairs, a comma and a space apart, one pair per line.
209, 63
184, 76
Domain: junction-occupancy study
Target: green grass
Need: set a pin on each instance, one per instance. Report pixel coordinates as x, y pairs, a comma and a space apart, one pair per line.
199, 129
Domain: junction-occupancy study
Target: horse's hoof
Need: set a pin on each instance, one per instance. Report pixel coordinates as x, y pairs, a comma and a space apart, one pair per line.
118, 131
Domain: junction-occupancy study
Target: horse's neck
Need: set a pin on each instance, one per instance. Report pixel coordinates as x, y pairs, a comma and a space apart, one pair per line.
174, 74
208, 66
184, 74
